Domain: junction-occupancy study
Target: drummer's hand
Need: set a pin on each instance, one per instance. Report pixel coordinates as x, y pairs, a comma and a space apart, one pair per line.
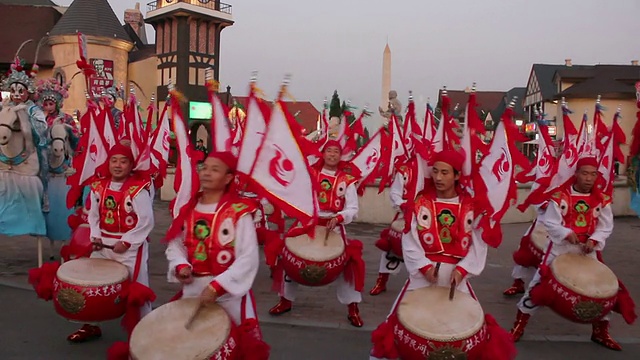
332, 223
431, 275
208, 294
589, 246
456, 277
120, 248
184, 276
572, 238
97, 243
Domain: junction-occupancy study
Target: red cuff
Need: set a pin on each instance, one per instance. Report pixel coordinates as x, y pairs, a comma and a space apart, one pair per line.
340, 219
180, 267
424, 269
218, 288
127, 244
462, 271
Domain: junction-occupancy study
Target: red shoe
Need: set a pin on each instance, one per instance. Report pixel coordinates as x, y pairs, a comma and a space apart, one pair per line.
515, 289
600, 335
281, 307
86, 333
354, 315
518, 327
381, 284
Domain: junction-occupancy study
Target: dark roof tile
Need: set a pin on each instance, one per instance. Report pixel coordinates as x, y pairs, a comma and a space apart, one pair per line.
91, 17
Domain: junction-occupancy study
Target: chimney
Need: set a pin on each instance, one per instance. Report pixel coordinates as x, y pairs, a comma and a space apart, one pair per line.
567, 62
634, 62
134, 18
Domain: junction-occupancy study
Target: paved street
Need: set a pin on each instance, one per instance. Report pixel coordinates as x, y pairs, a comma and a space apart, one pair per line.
318, 322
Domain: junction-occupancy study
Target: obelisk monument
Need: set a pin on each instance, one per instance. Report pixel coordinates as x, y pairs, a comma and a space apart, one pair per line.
386, 77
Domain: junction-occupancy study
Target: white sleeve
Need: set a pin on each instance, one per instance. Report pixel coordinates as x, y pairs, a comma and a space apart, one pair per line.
604, 228
412, 250
551, 218
94, 215
476, 259
396, 191
176, 254
238, 279
142, 207
350, 211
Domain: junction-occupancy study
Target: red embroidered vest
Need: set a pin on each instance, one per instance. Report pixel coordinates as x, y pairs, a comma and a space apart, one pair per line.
116, 207
332, 190
444, 228
210, 238
580, 212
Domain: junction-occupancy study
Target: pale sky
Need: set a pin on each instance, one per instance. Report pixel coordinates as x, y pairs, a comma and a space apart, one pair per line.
338, 44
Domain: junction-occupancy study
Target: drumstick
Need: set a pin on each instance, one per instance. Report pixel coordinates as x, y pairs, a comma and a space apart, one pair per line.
452, 290
189, 322
435, 271
326, 237
111, 247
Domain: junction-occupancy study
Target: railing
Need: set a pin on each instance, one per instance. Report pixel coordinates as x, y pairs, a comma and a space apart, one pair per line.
207, 4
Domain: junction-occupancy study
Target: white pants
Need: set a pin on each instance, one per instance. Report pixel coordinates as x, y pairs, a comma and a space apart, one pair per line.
128, 259
389, 266
521, 272
231, 304
525, 304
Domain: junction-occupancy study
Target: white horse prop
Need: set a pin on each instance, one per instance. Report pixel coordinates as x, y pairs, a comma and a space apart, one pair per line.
21, 190
62, 144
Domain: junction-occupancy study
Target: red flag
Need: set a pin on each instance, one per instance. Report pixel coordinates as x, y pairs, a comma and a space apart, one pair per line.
159, 146
368, 158
186, 183
220, 128
255, 128
281, 170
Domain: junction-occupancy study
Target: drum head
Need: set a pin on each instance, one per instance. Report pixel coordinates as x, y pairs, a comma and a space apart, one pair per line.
315, 249
428, 313
398, 225
584, 275
162, 335
539, 236
92, 272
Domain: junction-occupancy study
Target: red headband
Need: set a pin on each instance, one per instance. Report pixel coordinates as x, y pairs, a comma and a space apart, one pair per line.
587, 161
121, 149
332, 142
451, 157
226, 157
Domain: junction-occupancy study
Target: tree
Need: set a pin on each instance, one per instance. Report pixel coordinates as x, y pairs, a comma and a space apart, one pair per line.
334, 107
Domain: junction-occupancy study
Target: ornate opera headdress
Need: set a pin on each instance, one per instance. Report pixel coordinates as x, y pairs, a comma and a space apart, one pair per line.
19, 74
51, 89
114, 92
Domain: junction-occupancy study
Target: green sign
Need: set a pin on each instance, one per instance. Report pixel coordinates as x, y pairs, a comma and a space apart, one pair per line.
200, 110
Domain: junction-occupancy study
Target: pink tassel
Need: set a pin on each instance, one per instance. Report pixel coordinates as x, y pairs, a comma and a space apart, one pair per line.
42, 279
625, 305
499, 345
118, 351
384, 345
252, 347
137, 296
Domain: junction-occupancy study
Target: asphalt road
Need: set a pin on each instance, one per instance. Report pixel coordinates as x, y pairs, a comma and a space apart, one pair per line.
31, 330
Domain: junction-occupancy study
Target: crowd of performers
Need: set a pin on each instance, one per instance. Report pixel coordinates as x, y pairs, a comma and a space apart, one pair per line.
448, 203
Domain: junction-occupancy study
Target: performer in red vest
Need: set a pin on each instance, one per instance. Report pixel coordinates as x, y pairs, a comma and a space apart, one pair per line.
216, 258
579, 220
121, 216
441, 248
391, 238
338, 201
